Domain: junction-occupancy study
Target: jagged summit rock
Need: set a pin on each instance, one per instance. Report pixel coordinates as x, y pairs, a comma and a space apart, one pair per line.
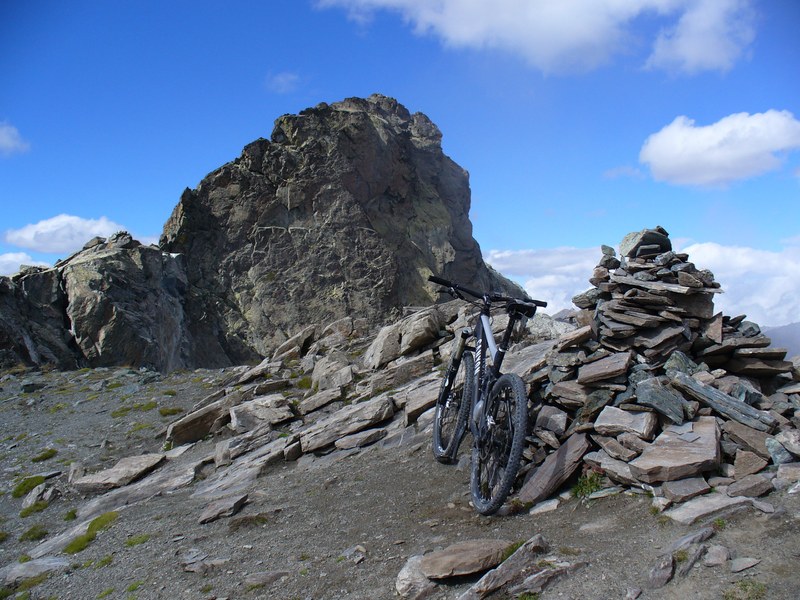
343, 213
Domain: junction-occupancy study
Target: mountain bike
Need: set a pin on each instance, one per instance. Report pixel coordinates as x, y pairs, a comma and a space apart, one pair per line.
474, 391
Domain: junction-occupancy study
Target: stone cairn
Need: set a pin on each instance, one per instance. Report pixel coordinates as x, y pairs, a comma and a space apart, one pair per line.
658, 391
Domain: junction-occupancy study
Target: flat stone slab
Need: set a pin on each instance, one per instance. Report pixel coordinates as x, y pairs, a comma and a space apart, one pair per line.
511, 571
740, 564
360, 439
747, 463
789, 471
124, 472
319, 400
605, 368
676, 455
464, 558
752, 439
350, 419
790, 440
555, 469
613, 421
685, 489
224, 507
705, 506
269, 410
615, 449
751, 486
617, 470
19, 572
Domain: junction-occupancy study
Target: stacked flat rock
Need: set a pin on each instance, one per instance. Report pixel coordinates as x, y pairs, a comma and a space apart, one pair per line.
654, 386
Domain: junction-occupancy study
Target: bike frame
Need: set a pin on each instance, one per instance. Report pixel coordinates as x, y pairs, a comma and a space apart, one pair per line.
484, 379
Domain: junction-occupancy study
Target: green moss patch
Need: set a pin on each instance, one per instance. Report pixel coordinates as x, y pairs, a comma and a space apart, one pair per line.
34, 534
36, 507
100, 523
169, 411
135, 540
44, 455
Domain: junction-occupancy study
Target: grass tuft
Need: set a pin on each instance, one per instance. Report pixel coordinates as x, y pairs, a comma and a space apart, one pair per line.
746, 589
34, 534
104, 562
100, 523
36, 507
26, 485
135, 540
44, 455
588, 484
511, 549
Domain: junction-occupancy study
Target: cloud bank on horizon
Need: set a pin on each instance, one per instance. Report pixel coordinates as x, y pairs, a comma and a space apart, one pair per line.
760, 284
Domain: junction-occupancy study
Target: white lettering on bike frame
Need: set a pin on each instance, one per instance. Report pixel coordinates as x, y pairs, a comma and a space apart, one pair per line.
487, 330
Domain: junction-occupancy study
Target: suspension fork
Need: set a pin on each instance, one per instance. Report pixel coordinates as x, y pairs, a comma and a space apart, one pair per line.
484, 376
455, 361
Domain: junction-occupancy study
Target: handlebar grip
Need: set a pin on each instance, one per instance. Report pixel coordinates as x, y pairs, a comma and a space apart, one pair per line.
440, 281
541, 303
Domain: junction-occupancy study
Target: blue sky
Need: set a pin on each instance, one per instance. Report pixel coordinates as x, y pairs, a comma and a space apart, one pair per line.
578, 120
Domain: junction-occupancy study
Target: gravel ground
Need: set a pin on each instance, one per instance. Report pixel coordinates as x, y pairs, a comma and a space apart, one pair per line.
334, 527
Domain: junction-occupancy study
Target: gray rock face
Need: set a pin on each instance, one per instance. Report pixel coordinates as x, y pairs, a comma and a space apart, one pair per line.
345, 211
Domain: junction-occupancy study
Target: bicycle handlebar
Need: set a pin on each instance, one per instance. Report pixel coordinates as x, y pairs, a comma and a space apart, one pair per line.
492, 297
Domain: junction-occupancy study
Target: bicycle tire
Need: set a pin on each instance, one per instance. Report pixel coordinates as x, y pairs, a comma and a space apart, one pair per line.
452, 408
496, 459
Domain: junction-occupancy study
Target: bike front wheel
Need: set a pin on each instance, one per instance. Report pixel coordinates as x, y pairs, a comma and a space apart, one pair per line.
497, 454
452, 407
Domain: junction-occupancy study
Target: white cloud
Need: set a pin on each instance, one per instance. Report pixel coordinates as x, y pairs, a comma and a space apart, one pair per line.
736, 147
11, 141
62, 233
761, 284
561, 35
554, 275
283, 83
710, 35
11, 261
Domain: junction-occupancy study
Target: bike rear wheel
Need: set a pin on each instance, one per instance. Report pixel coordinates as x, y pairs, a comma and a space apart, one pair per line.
497, 454
452, 407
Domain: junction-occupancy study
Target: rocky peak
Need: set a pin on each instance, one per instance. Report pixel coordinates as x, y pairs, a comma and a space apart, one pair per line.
344, 212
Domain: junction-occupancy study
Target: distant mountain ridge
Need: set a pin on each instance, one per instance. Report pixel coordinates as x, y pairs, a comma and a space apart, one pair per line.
344, 212
785, 336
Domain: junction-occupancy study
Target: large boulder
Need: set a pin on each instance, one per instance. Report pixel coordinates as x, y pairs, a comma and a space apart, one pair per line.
124, 305
116, 302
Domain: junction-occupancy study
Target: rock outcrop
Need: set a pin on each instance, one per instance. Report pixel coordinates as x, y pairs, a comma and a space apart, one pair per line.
116, 302
343, 213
